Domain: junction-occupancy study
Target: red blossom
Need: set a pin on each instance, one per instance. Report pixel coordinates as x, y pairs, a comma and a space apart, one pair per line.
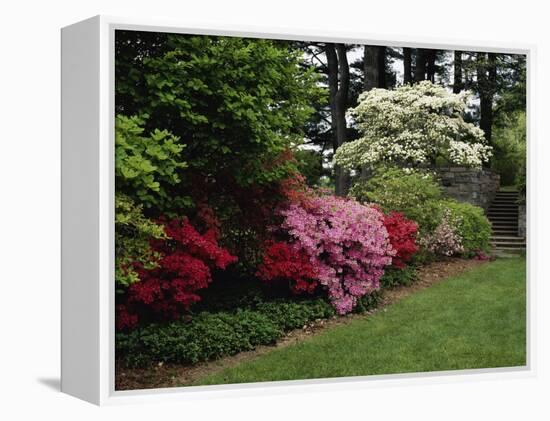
402, 236
186, 264
125, 320
283, 262
293, 189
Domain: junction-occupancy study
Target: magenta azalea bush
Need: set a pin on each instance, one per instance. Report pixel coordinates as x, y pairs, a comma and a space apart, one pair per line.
346, 242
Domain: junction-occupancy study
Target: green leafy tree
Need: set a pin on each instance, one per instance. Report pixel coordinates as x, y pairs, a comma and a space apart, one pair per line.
310, 165
133, 232
237, 104
147, 165
510, 144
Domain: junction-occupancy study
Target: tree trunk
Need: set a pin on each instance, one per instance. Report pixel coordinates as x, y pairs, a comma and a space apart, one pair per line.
407, 74
486, 79
382, 67
430, 70
420, 65
338, 80
374, 65
458, 84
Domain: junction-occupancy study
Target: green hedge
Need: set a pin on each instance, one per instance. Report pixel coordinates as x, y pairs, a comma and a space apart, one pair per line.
413, 192
472, 225
209, 336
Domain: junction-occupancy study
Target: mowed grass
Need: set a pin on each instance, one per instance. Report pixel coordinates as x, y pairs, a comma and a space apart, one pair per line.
473, 320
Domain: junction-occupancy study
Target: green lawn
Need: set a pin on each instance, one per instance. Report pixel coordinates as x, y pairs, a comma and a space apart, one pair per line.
473, 320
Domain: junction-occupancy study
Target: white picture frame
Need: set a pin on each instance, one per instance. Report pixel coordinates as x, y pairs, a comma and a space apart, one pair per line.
88, 213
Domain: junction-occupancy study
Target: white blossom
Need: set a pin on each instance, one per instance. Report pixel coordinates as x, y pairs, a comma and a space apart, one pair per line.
411, 125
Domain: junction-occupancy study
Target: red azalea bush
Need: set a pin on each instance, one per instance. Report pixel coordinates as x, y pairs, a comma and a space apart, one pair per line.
186, 264
285, 262
294, 189
402, 236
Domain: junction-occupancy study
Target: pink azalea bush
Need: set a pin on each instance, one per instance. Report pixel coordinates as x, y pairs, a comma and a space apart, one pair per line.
346, 242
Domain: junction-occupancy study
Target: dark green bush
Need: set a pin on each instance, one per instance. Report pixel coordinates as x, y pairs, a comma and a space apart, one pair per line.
367, 302
422, 257
227, 293
292, 315
209, 336
395, 276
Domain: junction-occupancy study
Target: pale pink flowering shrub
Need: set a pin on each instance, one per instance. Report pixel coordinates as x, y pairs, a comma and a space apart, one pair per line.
445, 239
347, 244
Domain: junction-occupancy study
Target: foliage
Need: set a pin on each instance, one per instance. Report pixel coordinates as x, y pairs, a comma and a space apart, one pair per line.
510, 144
402, 236
471, 225
445, 239
368, 302
236, 103
133, 233
412, 192
417, 195
185, 266
310, 165
412, 125
345, 241
394, 276
238, 108
247, 213
288, 263
206, 336
512, 87
212, 335
227, 292
145, 165
288, 315
423, 256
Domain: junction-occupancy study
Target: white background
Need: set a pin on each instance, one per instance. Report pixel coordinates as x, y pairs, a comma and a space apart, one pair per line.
30, 195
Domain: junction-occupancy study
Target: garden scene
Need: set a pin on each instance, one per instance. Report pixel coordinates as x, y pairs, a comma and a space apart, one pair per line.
290, 210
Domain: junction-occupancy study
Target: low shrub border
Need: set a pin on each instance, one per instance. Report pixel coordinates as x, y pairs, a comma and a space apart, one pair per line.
398, 276
209, 336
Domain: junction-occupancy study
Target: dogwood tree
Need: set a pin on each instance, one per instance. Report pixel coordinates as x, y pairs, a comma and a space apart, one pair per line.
411, 126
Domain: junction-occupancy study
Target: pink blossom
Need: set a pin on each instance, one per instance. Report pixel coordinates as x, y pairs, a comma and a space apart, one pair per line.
346, 241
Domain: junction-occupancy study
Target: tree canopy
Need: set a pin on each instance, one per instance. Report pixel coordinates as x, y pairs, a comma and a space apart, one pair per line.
413, 125
236, 104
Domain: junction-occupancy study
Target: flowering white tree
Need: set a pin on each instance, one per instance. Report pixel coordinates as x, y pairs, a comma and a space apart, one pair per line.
411, 126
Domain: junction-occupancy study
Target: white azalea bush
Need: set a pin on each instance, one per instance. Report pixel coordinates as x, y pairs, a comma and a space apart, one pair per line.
411, 126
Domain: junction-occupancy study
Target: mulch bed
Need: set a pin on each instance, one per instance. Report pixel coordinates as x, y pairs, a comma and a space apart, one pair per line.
171, 375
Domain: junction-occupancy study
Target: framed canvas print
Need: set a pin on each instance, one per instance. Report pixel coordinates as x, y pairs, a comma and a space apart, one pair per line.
246, 208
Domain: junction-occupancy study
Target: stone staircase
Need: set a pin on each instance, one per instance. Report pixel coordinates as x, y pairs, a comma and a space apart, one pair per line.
503, 215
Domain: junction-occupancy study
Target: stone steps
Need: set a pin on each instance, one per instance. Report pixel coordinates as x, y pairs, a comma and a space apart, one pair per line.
503, 215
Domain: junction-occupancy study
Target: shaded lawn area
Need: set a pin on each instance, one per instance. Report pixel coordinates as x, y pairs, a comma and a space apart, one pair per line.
473, 320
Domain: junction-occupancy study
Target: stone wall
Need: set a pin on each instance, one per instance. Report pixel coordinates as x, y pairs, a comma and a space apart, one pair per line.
474, 186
